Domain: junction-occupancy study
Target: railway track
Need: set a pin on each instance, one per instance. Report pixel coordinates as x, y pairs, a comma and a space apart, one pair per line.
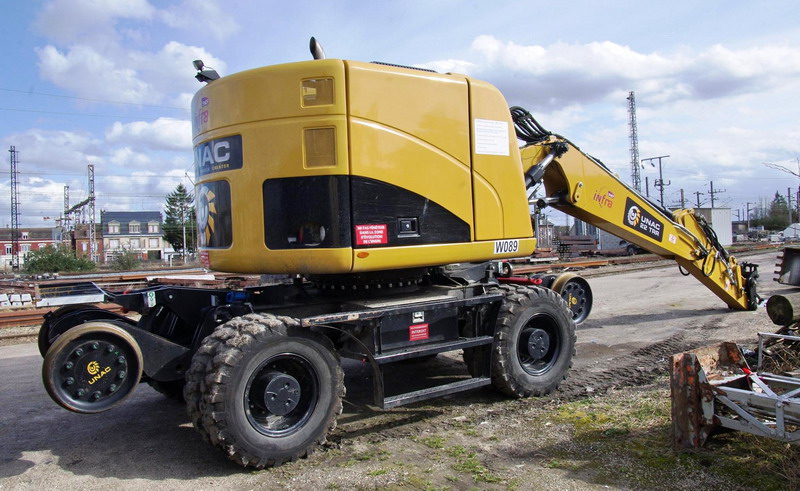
34, 317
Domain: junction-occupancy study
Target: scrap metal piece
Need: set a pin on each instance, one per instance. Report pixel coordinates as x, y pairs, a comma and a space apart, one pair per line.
714, 387
691, 377
789, 266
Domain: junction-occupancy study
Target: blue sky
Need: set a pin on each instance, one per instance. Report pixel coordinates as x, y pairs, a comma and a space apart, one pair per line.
107, 82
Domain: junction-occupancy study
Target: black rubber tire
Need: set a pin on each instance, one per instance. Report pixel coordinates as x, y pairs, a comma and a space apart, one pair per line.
260, 349
477, 359
631, 250
542, 313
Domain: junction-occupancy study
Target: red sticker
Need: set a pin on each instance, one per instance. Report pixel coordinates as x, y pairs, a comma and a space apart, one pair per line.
204, 260
418, 332
372, 234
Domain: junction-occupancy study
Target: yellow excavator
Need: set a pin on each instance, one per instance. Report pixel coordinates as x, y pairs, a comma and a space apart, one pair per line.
382, 203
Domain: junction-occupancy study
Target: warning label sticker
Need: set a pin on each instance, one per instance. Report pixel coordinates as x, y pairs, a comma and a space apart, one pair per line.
491, 137
376, 234
418, 332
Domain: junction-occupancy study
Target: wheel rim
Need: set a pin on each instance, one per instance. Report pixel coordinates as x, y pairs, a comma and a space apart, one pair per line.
92, 368
577, 298
538, 344
281, 395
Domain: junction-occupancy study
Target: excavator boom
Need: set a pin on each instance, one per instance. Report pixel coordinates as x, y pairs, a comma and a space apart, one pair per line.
581, 186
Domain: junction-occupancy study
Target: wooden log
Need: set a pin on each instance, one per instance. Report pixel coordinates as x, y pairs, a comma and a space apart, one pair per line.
784, 309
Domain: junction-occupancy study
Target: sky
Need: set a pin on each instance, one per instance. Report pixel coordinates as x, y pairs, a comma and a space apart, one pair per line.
109, 82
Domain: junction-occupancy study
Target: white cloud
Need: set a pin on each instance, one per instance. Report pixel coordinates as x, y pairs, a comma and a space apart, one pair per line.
82, 21
87, 73
135, 76
170, 69
38, 199
562, 74
51, 150
161, 134
450, 66
206, 17
69, 21
129, 159
141, 190
100, 48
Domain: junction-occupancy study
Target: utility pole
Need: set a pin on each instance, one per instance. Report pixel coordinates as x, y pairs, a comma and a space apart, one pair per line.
797, 203
712, 192
636, 177
647, 186
659, 184
697, 195
183, 221
14, 211
92, 237
65, 223
789, 203
748, 218
683, 199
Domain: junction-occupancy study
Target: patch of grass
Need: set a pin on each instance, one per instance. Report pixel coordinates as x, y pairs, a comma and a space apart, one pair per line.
468, 462
753, 461
616, 432
378, 453
456, 451
377, 472
416, 482
625, 439
366, 456
583, 421
433, 441
471, 432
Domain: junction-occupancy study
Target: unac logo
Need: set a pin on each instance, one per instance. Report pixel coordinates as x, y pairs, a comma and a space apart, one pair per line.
634, 215
94, 369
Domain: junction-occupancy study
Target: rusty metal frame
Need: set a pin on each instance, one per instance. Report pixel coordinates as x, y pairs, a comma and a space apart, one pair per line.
713, 387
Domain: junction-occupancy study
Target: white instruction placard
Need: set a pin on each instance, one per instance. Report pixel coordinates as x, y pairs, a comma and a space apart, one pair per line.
491, 137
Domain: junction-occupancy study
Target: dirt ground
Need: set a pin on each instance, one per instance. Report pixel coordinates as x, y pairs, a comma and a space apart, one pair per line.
608, 425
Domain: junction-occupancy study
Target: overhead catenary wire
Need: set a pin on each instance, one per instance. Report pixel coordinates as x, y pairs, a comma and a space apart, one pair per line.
84, 115
88, 99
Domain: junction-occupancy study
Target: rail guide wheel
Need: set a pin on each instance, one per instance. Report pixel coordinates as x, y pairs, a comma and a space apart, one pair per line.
577, 293
92, 368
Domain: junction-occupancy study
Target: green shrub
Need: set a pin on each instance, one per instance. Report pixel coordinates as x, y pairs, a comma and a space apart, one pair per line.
125, 261
52, 259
